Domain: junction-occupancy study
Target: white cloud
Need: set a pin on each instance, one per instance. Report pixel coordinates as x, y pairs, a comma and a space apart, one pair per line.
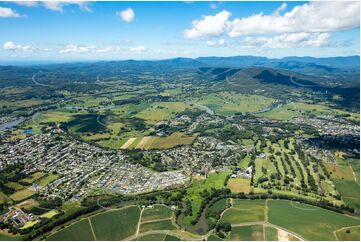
11, 46
77, 49
280, 9
313, 17
127, 15
8, 13
208, 26
288, 40
59, 5
138, 49
27, 3
213, 43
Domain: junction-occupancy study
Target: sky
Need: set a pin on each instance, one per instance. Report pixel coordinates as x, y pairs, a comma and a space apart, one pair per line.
75, 30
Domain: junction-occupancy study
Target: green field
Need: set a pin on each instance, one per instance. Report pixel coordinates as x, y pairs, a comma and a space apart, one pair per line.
3, 198
49, 214
115, 224
14, 185
247, 233
157, 212
33, 177
78, 231
161, 111
230, 103
21, 195
244, 211
46, 180
349, 234
320, 225
271, 234
157, 225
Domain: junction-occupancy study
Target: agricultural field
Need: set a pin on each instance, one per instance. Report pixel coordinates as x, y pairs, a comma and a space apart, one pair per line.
247, 233
349, 234
244, 211
156, 213
14, 185
320, 225
115, 224
78, 231
230, 103
21, 195
157, 225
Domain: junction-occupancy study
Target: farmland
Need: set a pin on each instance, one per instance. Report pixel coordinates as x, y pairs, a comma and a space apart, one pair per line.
293, 215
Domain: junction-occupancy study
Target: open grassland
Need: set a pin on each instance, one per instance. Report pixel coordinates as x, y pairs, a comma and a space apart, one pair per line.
299, 109
21, 195
349, 234
238, 185
226, 103
244, 211
247, 233
157, 212
157, 225
115, 224
171, 141
33, 177
312, 223
161, 111
54, 117
79, 231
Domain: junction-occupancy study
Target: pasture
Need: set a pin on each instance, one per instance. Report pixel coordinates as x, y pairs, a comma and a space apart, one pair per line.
243, 211
320, 225
157, 212
349, 234
115, 224
227, 103
157, 225
79, 231
247, 233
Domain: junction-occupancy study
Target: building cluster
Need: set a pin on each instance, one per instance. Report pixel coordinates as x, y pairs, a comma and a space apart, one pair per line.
83, 168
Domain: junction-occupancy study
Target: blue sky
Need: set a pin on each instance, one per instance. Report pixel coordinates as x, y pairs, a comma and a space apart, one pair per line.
158, 30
